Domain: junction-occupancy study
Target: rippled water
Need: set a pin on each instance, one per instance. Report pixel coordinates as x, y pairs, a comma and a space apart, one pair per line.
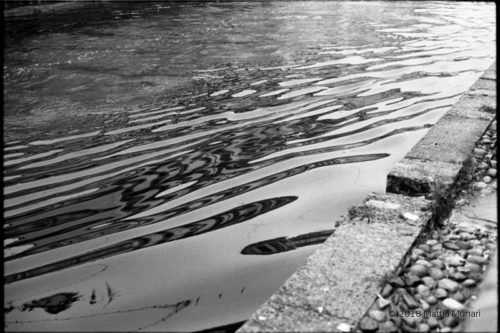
169, 165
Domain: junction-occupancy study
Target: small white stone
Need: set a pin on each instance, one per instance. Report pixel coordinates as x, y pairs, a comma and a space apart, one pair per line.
344, 327
481, 185
261, 318
320, 309
410, 216
452, 304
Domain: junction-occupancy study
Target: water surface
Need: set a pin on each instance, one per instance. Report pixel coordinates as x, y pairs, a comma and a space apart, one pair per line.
169, 165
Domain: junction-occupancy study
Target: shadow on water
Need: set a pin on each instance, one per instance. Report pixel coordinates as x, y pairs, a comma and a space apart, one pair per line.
168, 165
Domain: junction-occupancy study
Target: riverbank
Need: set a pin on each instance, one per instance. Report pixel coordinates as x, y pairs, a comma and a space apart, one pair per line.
381, 257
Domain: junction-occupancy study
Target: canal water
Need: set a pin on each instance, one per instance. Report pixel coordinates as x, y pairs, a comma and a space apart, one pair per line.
169, 165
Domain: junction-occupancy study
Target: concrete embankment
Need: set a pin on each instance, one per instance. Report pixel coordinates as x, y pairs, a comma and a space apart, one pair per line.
342, 281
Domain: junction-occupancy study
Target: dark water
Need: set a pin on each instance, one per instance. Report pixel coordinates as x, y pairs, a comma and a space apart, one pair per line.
169, 165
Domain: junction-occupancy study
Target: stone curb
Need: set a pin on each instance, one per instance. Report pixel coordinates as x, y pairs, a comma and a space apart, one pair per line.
341, 279
442, 152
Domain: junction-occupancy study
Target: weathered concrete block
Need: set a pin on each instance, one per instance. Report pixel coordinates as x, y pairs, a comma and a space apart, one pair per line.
416, 177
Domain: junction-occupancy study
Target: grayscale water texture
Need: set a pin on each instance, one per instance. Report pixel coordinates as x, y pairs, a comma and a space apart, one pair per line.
169, 165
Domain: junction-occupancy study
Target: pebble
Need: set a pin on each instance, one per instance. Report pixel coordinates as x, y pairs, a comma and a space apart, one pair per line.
476, 252
425, 247
423, 290
449, 285
423, 327
467, 292
487, 179
483, 165
493, 164
396, 282
481, 185
432, 299
418, 270
455, 260
458, 296
475, 242
436, 273
452, 304
437, 247
432, 242
377, 315
477, 260
423, 263
463, 245
424, 305
467, 236
411, 279
479, 151
432, 255
472, 267
477, 276
450, 321
410, 301
432, 322
388, 326
343, 327
451, 246
492, 172
383, 303
438, 263
429, 281
411, 320
368, 325
418, 252
445, 330
469, 283
439, 293
387, 291
458, 276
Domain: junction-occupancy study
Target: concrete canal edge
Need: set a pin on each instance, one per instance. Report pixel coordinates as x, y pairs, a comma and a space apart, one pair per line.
342, 278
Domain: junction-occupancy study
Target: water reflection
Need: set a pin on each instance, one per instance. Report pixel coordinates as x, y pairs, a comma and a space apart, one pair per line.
283, 244
165, 156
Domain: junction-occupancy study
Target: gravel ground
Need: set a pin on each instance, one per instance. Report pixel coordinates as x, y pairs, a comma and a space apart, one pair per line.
433, 290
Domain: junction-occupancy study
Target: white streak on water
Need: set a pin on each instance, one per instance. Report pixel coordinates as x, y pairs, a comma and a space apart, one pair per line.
48, 202
15, 148
244, 93
79, 153
274, 93
175, 188
299, 81
354, 60
301, 92
12, 155
32, 157
133, 128
258, 82
220, 92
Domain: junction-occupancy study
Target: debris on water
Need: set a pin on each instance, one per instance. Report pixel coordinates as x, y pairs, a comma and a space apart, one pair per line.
53, 304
